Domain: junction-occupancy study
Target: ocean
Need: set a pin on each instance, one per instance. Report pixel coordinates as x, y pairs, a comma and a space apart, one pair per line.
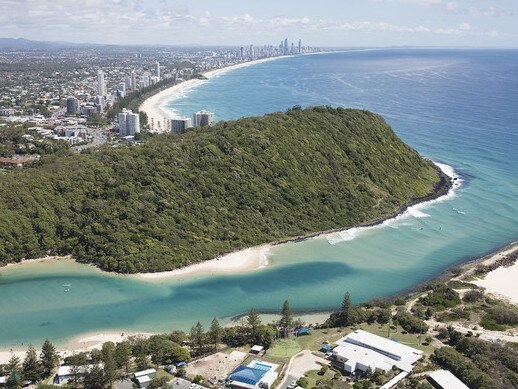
456, 107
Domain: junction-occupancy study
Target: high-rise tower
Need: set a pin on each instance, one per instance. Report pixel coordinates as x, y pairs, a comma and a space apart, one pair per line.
133, 80
101, 84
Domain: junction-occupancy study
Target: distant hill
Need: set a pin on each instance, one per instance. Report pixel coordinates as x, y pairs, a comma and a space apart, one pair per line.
180, 199
26, 44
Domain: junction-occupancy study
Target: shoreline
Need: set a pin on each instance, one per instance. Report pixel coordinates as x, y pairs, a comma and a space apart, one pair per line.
256, 258
465, 271
154, 106
80, 343
41, 260
442, 188
501, 275
249, 259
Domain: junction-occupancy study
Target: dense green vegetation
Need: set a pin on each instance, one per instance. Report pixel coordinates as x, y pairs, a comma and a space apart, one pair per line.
440, 297
179, 199
480, 364
13, 141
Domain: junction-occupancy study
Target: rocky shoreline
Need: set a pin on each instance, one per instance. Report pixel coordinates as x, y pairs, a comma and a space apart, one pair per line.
442, 188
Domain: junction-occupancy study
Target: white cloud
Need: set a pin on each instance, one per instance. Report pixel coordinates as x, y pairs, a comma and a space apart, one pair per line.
130, 21
418, 2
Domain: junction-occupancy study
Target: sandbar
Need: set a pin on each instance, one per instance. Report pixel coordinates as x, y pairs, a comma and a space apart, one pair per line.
246, 260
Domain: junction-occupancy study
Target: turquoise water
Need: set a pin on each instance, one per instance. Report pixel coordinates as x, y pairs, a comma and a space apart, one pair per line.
457, 107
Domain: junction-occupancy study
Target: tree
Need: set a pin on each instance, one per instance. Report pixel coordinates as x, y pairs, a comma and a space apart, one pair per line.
198, 379
215, 333
110, 366
95, 378
265, 335
286, 318
142, 362
13, 365
31, 368
197, 337
254, 321
158, 382
165, 351
122, 355
49, 358
15, 379
179, 353
383, 316
77, 364
346, 309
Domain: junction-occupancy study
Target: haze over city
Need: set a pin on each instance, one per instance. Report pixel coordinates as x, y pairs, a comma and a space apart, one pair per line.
483, 23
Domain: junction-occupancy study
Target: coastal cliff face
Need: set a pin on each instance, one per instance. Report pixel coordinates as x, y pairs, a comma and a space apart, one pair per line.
181, 199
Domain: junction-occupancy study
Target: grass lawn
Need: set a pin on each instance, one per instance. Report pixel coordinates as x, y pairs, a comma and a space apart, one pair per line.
313, 377
317, 337
283, 348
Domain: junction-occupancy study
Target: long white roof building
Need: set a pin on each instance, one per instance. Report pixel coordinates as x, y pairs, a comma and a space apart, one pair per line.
360, 350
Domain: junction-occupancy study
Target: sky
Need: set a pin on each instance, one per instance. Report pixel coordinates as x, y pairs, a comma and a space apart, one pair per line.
326, 23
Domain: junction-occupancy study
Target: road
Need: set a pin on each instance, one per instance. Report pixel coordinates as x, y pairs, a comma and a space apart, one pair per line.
99, 138
300, 364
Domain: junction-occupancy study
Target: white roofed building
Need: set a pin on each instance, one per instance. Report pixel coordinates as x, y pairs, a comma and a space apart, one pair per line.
66, 373
144, 377
361, 350
444, 379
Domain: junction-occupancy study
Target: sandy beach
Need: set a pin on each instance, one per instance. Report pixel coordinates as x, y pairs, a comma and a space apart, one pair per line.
85, 342
501, 281
250, 259
42, 260
309, 318
154, 105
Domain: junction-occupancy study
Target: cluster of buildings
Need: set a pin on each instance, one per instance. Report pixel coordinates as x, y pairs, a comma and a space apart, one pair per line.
128, 122
200, 119
7, 111
71, 134
96, 76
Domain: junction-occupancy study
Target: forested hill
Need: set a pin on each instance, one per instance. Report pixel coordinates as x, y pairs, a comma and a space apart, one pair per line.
180, 199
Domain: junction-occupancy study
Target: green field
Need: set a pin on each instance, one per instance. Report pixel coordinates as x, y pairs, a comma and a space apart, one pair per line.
284, 348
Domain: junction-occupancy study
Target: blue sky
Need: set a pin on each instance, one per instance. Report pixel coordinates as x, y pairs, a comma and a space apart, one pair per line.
487, 23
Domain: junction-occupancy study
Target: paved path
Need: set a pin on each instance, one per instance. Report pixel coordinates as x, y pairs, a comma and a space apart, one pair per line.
299, 364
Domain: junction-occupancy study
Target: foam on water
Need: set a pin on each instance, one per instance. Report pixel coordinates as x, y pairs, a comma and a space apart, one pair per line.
414, 212
264, 254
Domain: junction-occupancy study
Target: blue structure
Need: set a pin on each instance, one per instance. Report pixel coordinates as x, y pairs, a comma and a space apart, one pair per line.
303, 331
248, 375
326, 347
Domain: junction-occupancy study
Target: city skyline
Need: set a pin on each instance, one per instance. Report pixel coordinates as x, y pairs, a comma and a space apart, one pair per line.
330, 23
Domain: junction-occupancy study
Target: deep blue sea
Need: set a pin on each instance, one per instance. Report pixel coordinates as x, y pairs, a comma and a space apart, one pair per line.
456, 107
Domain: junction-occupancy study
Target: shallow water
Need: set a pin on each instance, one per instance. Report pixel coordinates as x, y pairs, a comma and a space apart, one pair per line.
457, 107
